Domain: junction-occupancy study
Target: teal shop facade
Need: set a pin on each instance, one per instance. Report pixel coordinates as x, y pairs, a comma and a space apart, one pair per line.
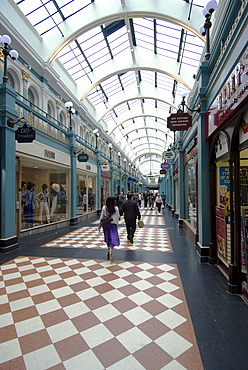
217, 141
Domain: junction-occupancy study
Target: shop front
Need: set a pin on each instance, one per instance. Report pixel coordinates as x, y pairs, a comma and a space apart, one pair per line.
105, 183
227, 130
43, 188
191, 192
86, 188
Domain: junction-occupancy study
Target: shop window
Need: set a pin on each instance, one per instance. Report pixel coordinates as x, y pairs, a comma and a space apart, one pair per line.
86, 194
191, 194
244, 208
222, 210
49, 200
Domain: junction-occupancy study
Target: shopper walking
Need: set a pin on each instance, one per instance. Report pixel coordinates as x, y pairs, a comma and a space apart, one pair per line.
163, 196
131, 212
111, 236
158, 202
121, 200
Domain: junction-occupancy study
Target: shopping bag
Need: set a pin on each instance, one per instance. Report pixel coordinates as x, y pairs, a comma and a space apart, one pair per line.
141, 224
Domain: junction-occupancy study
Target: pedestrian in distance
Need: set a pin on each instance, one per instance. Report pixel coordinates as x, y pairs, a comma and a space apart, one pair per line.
163, 196
158, 202
151, 200
122, 199
131, 212
111, 236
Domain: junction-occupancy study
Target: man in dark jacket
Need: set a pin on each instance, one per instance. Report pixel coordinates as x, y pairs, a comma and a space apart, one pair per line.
131, 212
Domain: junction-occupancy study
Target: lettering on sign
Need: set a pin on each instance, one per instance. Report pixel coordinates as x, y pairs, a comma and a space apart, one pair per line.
179, 121
25, 134
49, 154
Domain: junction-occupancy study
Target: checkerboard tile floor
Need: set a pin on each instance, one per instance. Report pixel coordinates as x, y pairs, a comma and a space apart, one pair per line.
61, 313
145, 239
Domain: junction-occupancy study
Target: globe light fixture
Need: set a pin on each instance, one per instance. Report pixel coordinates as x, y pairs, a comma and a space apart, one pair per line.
5, 41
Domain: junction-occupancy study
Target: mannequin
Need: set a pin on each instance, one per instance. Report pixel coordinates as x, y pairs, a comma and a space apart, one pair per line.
29, 204
54, 195
44, 199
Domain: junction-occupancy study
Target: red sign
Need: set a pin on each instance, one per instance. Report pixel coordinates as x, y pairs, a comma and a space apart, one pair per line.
179, 121
221, 230
233, 93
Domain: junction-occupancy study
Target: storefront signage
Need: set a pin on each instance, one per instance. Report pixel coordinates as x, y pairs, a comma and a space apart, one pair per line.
243, 132
232, 94
165, 166
191, 145
168, 155
105, 167
163, 172
25, 134
82, 157
179, 121
49, 154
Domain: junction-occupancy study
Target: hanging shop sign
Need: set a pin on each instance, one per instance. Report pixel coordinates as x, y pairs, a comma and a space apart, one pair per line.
163, 172
105, 167
179, 121
25, 134
168, 155
165, 166
83, 157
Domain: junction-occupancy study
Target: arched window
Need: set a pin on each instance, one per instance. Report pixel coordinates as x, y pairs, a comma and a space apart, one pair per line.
11, 80
50, 111
62, 119
31, 97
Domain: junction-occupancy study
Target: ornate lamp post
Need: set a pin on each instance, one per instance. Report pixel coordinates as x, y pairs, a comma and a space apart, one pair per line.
110, 150
119, 155
5, 40
96, 133
71, 111
204, 29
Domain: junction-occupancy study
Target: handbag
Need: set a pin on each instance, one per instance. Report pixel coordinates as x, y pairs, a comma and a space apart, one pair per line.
140, 224
106, 219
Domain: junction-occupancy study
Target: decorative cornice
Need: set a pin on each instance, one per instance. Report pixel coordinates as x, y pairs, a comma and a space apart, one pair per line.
226, 43
25, 74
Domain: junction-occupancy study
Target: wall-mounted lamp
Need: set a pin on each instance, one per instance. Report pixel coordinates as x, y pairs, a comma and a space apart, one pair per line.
110, 145
71, 111
204, 29
5, 40
119, 155
96, 133
183, 104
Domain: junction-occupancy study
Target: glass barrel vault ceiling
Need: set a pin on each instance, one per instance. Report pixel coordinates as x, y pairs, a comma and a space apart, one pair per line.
133, 103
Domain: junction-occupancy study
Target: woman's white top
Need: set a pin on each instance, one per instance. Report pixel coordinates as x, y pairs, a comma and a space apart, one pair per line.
115, 216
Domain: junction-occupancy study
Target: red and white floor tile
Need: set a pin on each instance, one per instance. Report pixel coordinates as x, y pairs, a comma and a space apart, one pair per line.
145, 239
62, 313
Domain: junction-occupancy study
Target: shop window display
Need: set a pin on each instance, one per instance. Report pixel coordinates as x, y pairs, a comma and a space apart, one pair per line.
86, 194
49, 196
191, 193
244, 209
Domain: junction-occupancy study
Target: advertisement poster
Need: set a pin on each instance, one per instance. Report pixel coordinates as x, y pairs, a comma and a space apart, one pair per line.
224, 187
221, 231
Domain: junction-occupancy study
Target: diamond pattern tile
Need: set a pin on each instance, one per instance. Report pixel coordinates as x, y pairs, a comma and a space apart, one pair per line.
145, 239
92, 314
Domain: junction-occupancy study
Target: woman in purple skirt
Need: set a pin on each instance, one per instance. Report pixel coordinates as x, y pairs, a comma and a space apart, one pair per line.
111, 236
